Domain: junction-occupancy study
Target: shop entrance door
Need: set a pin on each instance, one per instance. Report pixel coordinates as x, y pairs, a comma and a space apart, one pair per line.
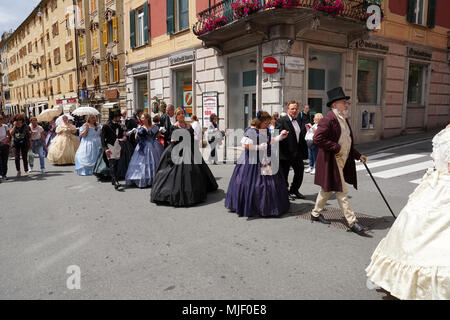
324, 73
249, 107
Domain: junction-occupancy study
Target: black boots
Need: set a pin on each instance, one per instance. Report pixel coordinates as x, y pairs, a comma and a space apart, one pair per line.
358, 228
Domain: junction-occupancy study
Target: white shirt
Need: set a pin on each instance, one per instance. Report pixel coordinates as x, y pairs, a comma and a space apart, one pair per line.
173, 120
296, 127
197, 130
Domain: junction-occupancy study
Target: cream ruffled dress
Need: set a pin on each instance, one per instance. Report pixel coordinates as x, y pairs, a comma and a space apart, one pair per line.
64, 146
413, 261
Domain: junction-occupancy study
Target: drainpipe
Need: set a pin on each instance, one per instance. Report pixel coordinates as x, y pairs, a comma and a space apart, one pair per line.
77, 58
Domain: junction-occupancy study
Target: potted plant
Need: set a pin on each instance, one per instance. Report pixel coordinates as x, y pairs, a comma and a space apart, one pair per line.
212, 23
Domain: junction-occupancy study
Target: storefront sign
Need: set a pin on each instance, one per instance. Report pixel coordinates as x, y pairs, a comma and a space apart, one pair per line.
187, 102
419, 54
182, 58
270, 65
139, 68
159, 92
210, 104
294, 63
69, 100
372, 46
111, 94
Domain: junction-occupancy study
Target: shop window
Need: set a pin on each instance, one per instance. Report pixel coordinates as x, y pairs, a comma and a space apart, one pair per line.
368, 81
142, 94
368, 120
416, 84
183, 90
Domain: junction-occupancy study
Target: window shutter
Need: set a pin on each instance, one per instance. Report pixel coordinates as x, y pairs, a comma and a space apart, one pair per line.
105, 33
146, 30
116, 70
170, 4
114, 24
107, 72
132, 29
431, 16
411, 11
81, 39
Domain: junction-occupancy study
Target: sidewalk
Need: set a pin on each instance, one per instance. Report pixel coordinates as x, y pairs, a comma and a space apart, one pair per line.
377, 146
232, 153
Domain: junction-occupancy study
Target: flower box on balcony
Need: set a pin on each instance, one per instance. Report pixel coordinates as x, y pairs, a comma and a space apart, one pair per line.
243, 8
212, 23
333, 7
288, 4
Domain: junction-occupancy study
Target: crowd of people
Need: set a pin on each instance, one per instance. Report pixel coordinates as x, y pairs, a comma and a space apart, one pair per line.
163, 153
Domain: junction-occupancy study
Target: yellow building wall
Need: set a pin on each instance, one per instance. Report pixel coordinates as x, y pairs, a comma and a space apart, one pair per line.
33, 28
161, 45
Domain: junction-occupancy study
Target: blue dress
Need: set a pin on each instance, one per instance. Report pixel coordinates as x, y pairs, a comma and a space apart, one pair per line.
252, 194
88, 151
145, 159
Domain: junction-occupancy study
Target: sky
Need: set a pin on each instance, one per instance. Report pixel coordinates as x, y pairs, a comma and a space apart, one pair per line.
14, 12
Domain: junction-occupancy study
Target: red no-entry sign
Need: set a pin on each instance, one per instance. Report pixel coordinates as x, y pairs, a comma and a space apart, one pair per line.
270, 65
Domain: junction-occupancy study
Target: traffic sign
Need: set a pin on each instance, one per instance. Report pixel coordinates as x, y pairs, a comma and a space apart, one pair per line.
270, 65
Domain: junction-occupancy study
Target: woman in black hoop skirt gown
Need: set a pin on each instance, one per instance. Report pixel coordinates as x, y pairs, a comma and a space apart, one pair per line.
182, 185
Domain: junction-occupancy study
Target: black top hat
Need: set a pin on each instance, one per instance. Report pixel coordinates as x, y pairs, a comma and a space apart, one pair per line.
114, 113
335, 95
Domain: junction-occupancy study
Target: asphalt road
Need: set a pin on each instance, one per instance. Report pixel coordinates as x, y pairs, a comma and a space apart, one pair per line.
128, 248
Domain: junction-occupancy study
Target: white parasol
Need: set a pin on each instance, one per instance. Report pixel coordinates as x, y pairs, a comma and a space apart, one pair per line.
85, 111
60, 120
48, 115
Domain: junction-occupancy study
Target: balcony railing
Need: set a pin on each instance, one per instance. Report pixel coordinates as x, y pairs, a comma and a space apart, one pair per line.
353, 9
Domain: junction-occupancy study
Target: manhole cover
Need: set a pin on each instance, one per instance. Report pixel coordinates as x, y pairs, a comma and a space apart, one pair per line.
338, 220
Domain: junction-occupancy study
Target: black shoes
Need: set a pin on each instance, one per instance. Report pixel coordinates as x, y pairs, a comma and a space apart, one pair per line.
321, 219
358, 228
297, 194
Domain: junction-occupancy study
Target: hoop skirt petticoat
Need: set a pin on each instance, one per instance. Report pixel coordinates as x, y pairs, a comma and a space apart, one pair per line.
413, 260
181, 185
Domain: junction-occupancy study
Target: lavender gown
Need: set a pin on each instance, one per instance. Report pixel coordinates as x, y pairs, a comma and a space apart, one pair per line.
252, 194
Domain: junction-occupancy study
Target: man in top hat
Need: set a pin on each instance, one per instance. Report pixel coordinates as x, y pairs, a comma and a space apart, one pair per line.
111, 135
336, 159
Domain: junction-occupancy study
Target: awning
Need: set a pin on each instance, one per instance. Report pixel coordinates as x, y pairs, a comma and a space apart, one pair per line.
110, 105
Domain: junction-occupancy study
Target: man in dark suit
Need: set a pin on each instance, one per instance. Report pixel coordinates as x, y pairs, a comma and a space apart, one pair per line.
167, 120
293, 149
304, 117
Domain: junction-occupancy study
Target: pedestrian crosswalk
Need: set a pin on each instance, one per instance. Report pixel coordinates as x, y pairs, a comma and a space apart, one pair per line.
381, 165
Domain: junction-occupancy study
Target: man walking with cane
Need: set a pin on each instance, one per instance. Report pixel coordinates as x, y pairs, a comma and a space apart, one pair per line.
336, 159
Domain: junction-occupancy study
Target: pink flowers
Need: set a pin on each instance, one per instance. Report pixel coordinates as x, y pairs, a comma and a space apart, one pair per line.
281, 4
334, 7
242, 8
212, 23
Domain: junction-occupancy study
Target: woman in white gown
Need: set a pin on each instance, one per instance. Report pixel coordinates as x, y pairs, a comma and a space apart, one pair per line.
413, 261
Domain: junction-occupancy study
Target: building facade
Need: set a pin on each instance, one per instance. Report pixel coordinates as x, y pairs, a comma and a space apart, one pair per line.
101, 52
161, 53
42, 66
398, 76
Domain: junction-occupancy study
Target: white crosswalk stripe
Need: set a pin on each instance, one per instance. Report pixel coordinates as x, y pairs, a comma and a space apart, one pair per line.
390, 161
418, 181
404, 170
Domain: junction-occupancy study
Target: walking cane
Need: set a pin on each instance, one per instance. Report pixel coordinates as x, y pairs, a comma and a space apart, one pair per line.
370, 173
